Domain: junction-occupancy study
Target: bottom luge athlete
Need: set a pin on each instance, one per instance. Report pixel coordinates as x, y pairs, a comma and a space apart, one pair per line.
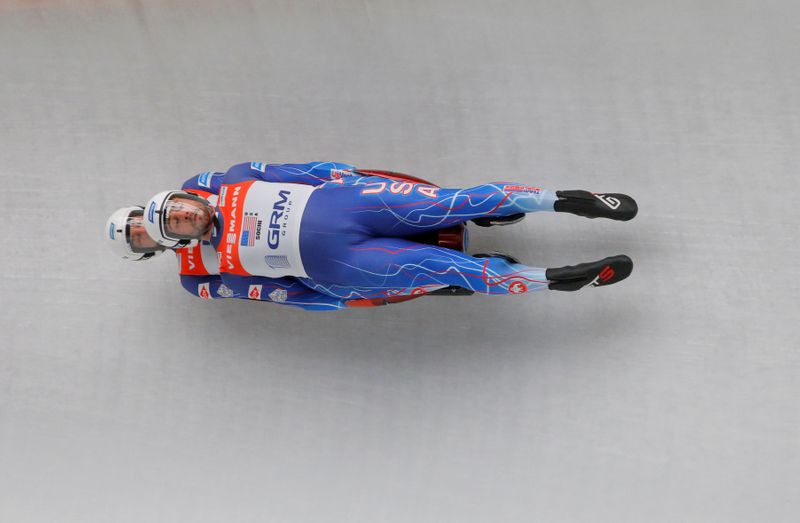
326, 236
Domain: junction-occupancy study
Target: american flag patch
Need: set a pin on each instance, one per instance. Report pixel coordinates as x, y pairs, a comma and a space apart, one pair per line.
249, 222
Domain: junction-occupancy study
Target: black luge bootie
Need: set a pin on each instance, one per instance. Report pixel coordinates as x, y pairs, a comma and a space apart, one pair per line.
615, 206
596, 274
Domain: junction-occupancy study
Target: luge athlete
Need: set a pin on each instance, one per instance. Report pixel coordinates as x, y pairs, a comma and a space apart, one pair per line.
322, 236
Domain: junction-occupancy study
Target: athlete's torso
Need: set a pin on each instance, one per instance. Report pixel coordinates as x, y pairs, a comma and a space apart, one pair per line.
258, 228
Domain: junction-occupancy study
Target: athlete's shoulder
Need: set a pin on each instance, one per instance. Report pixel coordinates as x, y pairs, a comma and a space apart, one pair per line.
243, 172
208, 182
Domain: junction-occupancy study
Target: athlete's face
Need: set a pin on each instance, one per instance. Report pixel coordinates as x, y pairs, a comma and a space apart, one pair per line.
187, 218
139, 239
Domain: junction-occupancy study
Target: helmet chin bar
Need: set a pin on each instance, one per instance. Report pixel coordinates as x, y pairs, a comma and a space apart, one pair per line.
186, 243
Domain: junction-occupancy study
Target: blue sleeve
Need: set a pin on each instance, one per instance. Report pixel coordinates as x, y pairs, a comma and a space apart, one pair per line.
314, 173
207, 181
209, 287
284, 291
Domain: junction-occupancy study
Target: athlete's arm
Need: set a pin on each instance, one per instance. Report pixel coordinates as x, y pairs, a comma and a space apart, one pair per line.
284, 291
314, 173
208, 287
207, 182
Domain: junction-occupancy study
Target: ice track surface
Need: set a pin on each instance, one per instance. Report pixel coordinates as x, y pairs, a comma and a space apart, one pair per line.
669, 397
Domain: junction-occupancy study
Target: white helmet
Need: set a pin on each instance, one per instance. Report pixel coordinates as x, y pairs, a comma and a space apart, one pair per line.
121, 229
158, 209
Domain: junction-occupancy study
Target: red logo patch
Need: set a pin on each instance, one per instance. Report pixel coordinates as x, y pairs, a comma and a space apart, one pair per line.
517, 287
607, 273
254, 293
522, 188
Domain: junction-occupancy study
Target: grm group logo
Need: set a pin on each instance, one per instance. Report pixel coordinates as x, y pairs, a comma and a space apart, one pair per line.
277, 212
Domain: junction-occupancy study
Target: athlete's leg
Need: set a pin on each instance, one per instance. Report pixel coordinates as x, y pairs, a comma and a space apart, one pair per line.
399, 208
404, 209
382, 267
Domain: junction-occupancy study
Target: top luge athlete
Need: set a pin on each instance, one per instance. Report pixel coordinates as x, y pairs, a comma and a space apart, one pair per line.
323, 236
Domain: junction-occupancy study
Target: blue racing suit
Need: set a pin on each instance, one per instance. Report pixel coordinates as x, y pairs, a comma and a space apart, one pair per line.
322, 237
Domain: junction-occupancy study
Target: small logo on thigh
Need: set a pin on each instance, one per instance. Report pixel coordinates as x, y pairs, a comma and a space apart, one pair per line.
517, 287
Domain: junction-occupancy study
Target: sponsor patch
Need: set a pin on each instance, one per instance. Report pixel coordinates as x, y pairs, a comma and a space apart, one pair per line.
254, 292
277, 262
612, 202
606, 274
224, 291
204, 179
203, 292
223, 192
278, 295
278, 210
258, 166
522, 188
336, 174
517, 287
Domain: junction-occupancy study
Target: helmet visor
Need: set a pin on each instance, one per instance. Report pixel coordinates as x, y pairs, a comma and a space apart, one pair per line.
186, 217
137, 237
